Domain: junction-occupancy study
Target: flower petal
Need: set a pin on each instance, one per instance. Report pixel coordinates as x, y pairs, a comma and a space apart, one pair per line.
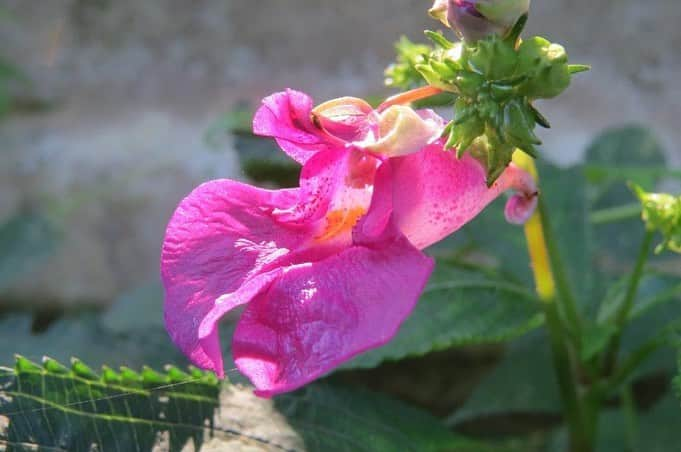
221, 235
285, 116
403, 131
434, 193
318, 315
346, 118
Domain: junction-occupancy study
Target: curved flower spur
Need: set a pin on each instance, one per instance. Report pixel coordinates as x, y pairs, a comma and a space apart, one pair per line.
332, 268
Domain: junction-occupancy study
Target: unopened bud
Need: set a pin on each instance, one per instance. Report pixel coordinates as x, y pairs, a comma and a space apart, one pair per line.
476, 19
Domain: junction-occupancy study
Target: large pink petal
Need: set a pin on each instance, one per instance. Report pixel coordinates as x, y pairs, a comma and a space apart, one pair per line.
286, 116
221, 235
434, 193
320, 314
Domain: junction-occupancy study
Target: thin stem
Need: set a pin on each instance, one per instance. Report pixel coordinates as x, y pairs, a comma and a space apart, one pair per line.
565, 292
410, 96
633, 361
579, 441
631, 418
625, 309
581, 415
615, 214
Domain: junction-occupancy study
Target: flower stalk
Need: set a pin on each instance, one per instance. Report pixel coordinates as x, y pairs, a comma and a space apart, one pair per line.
553, 290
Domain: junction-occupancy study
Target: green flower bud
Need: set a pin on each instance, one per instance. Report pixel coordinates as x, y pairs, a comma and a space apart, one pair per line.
662, 212
546, 67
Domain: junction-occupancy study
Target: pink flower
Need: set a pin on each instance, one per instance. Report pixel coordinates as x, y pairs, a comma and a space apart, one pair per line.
329, 269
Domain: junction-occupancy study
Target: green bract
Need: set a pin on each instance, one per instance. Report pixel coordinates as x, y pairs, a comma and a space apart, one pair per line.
662, 212
495, 82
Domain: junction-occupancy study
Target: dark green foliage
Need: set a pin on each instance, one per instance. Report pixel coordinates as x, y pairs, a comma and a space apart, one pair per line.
459, 307
52, 406
338, 419
403, 74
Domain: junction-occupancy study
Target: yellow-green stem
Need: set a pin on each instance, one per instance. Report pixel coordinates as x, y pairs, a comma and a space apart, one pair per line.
580, 415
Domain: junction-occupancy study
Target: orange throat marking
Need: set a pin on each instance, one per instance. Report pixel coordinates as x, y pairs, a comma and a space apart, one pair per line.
340, 221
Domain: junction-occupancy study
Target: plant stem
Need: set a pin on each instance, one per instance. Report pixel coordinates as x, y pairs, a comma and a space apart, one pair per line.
565, 294
614, 214
625, 309
581, 415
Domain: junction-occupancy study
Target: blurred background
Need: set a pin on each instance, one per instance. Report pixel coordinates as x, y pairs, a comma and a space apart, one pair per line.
113, 110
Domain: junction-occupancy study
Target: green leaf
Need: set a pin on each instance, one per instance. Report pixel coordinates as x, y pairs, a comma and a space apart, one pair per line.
523, 382
339, 419
76, 410
595, 337
564, 191
61, 410
459, 307
25, 240
403, 74
660, 427
634, 150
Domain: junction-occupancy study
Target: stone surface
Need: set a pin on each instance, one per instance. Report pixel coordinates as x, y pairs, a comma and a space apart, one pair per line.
133, 86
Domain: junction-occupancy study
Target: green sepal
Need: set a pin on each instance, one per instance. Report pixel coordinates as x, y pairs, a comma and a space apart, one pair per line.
577, 68
546, 65
538, 117
518, 125
439, 40
518, 27
492, 57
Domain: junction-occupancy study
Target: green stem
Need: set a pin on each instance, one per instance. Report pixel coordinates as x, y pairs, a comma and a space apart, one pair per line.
632, 362
625, 309
565, 293
615, 214
579, 437
631, 418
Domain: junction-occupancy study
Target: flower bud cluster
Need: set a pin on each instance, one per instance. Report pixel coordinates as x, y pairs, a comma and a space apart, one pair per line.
496, 80
662, 212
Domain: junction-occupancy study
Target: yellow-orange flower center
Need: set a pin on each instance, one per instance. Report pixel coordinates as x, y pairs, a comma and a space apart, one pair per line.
340, 221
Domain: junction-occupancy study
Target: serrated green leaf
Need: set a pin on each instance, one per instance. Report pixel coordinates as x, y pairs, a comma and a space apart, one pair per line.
523, 382
459, 307
78, 411
47, 410
338, 419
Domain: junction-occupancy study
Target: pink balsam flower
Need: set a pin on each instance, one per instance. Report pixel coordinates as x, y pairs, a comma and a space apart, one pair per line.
329, 269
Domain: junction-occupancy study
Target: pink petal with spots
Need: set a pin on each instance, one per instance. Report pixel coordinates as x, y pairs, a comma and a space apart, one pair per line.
285, 116
221, 235
434, 193
321, 314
